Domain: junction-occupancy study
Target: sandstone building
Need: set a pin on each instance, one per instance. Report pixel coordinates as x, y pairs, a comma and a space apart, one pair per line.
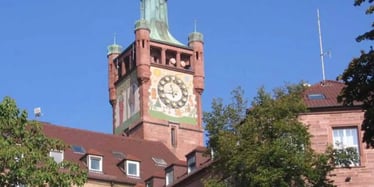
330, 123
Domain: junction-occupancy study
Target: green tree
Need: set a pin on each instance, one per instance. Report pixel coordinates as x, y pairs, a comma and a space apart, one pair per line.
359, 80
265, 145
24, 153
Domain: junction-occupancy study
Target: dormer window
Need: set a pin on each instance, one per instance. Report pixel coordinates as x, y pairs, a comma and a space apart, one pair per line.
132, 168
169, 176
95, 163
191, 164
149, 183
58, 156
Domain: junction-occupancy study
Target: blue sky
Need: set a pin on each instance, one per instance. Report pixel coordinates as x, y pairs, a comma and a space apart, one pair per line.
53, 53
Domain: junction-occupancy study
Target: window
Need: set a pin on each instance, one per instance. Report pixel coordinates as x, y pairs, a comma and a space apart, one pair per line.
95, 163
132, 168
78, 149
191, 164
169, 176
58, 156
159, 162
173, 137
118, 155
317, 96
347, 138
149, 183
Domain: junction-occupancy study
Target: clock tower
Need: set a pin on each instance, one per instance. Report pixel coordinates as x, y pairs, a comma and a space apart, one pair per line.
156, 83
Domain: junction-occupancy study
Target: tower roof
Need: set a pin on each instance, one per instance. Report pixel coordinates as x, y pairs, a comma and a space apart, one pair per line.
154, 12
195, 36
114, 48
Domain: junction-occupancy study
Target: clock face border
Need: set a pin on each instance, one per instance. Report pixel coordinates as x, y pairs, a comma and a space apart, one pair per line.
172, 91
186, 114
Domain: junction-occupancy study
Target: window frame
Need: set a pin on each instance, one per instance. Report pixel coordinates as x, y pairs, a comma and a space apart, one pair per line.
137, 168
356, 138
316, 96
58, 152
173, 136
100, 158
78, 149
191, 164
149, 183
169, 177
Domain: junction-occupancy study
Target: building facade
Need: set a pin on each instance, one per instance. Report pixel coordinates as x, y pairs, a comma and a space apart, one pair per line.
330, 123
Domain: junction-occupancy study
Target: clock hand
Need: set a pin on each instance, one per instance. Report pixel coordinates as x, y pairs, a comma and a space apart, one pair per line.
168, 92
171, 87
172, 91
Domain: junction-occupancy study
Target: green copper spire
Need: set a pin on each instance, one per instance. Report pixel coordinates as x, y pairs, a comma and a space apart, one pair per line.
114, 48
155, 14
195, 36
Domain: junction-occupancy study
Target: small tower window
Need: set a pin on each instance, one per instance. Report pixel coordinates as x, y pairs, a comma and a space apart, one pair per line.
155, 55
173, 137
171, 57
127, 65
119, 67
185, 61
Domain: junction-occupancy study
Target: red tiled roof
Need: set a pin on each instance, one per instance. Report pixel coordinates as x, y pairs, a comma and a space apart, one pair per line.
200, 149
160, 175
330, 89
199, 171
94, 152
132, 157
105, 145
177, 163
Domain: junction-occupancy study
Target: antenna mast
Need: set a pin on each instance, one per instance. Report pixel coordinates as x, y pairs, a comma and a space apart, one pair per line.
322, 54
195, 25
115, 39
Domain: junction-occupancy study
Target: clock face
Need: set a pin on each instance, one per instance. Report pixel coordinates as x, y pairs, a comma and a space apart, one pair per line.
172, 91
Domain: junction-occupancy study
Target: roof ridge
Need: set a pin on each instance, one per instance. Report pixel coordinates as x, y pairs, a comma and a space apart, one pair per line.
332, 81
101, 133
73, 128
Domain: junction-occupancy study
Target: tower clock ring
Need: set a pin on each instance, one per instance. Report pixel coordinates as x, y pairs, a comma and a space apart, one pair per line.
172, 91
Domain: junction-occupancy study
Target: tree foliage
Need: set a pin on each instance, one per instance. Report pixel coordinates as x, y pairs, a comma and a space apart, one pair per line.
24, 153
359, 80
265, 145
